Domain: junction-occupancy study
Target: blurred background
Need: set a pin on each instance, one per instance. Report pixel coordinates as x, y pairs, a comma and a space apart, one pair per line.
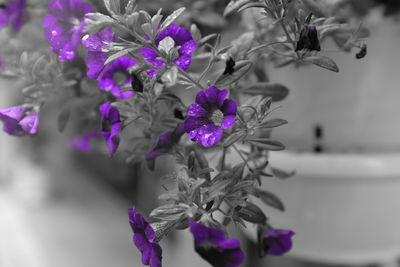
60, 207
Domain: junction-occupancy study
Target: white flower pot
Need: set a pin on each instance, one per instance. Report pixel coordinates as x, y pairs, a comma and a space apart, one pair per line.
344, 208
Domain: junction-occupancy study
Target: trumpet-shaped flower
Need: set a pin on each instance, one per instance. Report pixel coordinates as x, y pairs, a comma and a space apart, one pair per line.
209, 115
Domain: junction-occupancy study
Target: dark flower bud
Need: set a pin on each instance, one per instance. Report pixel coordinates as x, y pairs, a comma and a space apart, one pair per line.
230, 66
137, 84
178, 114
308, 39
362, 53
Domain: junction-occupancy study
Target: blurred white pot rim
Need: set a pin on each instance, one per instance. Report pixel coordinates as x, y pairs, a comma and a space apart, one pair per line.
339, 166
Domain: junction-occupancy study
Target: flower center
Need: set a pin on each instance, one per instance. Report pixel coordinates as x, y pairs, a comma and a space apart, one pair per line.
217, 117
76, 23
119, 77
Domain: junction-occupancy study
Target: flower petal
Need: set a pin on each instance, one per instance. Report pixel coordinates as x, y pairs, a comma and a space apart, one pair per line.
229, 107
228, 121
197, 111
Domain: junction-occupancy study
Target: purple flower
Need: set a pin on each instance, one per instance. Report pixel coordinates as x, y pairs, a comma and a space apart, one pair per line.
96, 46
212, 246
166, 142
64, 26
82, 143
209, 115
276, 242
182, 38
13, 13
18, 122
113, 76
111, 126
144, 238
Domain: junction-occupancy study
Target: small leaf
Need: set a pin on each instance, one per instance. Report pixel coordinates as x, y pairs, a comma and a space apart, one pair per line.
241, 68
119, 54
323, 62
63, 119
195, 32
251, 5
234, 5
113, 7
273, 123
171, 18
168, 212
269, 199
276, 91
251, 213
281, 174
130, 7
233, 138
266, 144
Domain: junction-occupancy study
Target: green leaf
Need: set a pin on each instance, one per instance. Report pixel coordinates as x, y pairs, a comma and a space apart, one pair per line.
251, 5
233, 138
171, 18
119, 54
113, 7
276, 91
95, 22
235, 5
168, 212
63, 119
251, 213
241, 69
273, 123
130, 7
279, 173
269, 199
323, 62
265, 143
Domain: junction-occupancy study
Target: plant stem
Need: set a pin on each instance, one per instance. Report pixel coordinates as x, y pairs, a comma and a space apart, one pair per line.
241, 155
187, 76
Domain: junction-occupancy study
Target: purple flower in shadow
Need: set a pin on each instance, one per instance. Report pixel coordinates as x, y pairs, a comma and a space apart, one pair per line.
165, 142
82, 143
276, 242
209, 115
144, 238
111, 126
64, 26
182, 38
18, 122
212, 246
13, 13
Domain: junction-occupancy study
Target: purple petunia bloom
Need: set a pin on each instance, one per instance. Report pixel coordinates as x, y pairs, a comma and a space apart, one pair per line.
209, 115
113, 76
111, 126
182, 38
13, 13
212, 246
18, 122
82, 143
96, 46
276, 242
165, 142
64, 26
144, 238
